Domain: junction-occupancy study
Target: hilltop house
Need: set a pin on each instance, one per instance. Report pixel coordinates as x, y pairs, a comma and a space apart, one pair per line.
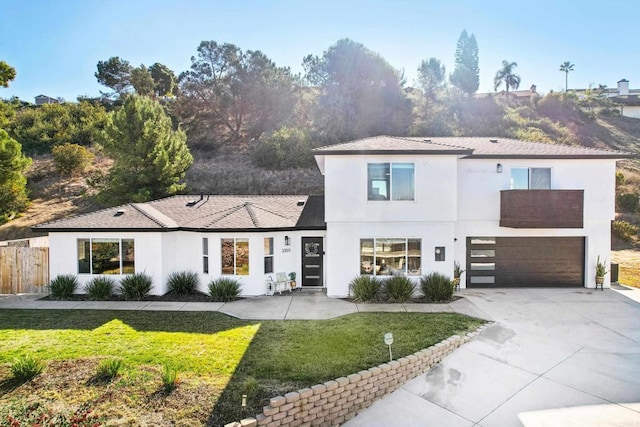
44, 99
514, 213
627, 100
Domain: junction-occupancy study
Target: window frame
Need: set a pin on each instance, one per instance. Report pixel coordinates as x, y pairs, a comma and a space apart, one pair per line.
236, 271
529, 180
269, 254
406, 271
389, 166
89, 255
205, 255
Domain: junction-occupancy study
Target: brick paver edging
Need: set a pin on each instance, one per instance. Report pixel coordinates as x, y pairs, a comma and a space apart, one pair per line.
335, 402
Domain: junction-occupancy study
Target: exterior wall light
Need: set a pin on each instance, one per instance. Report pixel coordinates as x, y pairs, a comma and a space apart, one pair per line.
287, 241
499, 168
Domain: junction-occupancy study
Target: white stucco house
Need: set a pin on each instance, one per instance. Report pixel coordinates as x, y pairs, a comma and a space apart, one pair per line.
512, 213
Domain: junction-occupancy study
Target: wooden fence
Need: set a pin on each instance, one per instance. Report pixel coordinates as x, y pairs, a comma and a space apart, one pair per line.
23, 270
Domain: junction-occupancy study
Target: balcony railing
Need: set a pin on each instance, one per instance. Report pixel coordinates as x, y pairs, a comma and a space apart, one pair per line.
542, 208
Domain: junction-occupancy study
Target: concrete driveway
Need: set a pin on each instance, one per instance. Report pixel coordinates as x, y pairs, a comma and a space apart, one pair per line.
553, 357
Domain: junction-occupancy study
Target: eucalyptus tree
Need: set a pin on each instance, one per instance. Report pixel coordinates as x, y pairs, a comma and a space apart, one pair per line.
432, 75
361, 94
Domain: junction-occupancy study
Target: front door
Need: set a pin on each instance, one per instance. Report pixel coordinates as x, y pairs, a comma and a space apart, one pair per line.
312, 256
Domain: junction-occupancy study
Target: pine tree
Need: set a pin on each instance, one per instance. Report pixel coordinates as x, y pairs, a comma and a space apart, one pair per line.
150, 158
466, 75
13, 184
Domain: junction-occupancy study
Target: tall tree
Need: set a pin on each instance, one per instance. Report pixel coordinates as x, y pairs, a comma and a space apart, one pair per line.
7, 73
361, 94
507, 76
164, 79
115, 73
13, 184
142, 81
150, 158
566, 67
431, 74
233, 97
466, 75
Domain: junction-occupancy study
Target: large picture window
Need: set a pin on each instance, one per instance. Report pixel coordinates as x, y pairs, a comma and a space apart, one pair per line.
531, 178
106, 256
390, 181
390, 257
235, 257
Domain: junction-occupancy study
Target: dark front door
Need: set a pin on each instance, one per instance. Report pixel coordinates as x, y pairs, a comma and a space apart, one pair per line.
312, 256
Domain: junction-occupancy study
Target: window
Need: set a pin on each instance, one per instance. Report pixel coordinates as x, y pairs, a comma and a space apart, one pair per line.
390, 257
205, 255
268, 255
235, 257
106, 256
531, 178
390, 181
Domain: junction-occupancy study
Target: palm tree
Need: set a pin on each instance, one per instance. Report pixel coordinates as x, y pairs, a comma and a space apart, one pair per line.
506, 75
566, 66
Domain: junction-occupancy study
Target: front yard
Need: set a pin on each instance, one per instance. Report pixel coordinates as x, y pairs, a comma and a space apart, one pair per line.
219, 359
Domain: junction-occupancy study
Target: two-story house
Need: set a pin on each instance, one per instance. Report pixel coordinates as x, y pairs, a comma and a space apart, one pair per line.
515, 213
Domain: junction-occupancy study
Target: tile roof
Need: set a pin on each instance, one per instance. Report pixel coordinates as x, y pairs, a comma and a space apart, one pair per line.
240, 213
469, 147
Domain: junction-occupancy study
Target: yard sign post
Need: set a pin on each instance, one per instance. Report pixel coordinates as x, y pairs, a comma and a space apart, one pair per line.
388, 340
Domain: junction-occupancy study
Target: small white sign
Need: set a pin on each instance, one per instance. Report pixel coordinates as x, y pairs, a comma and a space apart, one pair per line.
388, 338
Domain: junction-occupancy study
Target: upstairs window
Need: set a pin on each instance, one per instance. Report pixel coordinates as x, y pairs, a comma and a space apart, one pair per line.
531, 178
390, 181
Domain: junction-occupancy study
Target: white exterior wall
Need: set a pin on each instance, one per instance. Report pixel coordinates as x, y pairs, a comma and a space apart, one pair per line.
159, 254
63, 255
351, 217
632, 111
479, 203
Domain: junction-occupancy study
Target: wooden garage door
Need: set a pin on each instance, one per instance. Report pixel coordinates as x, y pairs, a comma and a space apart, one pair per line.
525, 261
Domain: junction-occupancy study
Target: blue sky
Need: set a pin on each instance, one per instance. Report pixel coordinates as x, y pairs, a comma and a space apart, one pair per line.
55, 45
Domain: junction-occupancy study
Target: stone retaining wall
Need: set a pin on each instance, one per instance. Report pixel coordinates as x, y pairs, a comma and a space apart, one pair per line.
336, 401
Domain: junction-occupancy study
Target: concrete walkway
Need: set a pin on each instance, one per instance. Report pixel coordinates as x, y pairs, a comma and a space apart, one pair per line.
299, 305
553, 357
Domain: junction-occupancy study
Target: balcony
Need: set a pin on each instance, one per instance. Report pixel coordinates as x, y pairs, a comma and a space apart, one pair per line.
541, 208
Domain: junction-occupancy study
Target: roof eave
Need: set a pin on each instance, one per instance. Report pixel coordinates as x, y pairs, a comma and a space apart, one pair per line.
393, 152
612, 156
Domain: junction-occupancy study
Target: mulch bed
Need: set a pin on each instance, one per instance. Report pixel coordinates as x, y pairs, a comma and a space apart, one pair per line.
169, 297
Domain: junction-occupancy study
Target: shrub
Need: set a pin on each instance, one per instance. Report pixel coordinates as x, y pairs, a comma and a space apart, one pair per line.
71, 158
627, 202
399, 288
100, 288
170, 378
63, 286
436, 287
283, 149
366, 289
26, 367
136, 286
624, 230
108, 369
224, 289
183, 282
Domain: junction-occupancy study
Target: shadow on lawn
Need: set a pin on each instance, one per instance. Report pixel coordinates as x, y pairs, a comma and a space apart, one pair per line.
149, 321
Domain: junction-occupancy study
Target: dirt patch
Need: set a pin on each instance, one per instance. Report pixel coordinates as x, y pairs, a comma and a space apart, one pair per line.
133, 399
628, 261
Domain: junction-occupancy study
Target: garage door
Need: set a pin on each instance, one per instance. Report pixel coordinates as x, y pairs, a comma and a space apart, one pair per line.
525, 261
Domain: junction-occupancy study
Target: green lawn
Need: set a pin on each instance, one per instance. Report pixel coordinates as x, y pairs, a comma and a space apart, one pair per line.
258, 358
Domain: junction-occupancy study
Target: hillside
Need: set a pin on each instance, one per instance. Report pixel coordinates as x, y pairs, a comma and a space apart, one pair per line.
55, 197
